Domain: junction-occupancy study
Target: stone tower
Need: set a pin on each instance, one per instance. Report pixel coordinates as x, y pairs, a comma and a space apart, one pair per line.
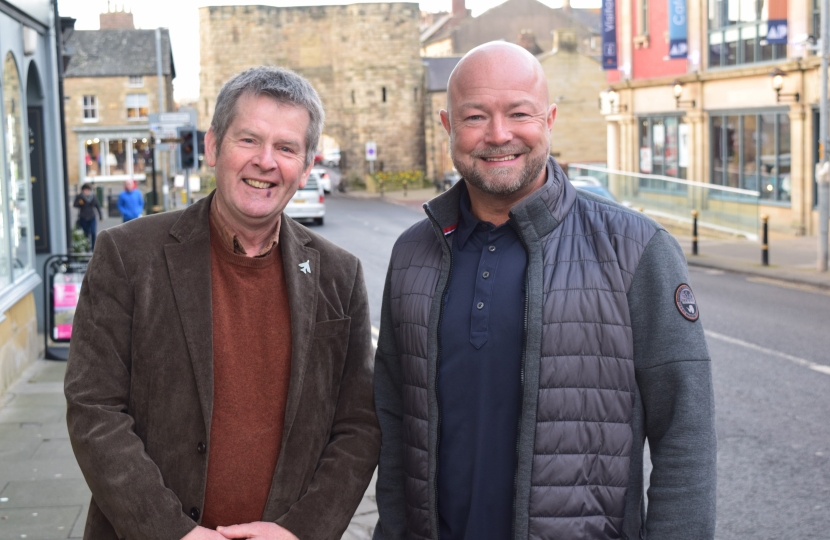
363, 60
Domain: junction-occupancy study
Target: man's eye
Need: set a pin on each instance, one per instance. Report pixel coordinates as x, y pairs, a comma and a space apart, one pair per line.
248, 141
286, 149
474, 117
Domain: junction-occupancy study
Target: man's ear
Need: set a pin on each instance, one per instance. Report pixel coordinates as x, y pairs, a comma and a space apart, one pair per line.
445, 120
551, 116
304, 177
210, 148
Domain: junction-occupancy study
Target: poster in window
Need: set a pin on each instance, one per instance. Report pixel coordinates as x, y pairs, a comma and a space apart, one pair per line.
645, 160
684, 133
66, 289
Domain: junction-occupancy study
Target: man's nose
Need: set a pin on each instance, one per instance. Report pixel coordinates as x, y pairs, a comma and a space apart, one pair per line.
265, 159
498, 131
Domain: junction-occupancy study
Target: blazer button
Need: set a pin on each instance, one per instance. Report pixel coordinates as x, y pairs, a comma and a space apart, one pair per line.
194, 513
201, 448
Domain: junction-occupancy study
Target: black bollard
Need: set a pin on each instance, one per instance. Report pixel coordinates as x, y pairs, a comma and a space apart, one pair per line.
765, 244
694, 232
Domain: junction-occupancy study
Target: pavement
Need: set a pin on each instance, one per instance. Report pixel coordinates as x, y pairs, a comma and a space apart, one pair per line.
43, 494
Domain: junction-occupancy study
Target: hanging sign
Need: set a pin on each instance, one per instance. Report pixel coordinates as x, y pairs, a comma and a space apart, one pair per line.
777, 23
609, 34
678, 46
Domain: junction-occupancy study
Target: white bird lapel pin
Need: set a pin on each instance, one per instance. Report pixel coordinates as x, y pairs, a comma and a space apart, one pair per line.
305, 267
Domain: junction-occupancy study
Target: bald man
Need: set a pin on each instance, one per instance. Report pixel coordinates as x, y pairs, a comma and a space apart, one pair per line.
533, 336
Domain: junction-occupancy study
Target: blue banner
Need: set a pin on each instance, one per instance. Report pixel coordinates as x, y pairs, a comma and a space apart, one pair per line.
678, 46
609, 34
777, 32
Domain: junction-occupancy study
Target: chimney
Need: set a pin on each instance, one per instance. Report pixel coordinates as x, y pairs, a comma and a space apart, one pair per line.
116, 20
527, 40
564, 40
566, 6
459, 9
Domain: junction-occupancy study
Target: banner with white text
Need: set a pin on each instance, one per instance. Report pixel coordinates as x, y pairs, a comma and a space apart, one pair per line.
678, 44
609, 34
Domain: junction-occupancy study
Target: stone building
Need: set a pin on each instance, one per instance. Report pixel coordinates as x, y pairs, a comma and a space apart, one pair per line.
111, 87
458, 32
574, 82
363, 60
437, 76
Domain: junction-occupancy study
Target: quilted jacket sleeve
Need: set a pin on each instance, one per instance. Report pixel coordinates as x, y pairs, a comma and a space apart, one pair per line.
389, 406
674, 376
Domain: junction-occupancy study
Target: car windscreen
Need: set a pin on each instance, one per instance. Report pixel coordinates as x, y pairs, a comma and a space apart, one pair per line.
311, 185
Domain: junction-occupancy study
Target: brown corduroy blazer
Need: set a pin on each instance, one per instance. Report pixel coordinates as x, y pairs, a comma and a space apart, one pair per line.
139, 382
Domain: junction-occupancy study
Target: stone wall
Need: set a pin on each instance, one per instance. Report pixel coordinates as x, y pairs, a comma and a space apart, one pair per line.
574, 83
439, 160
19, 343
363, 60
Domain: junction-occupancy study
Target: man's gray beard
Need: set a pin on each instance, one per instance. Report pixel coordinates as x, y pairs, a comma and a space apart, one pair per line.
529, 173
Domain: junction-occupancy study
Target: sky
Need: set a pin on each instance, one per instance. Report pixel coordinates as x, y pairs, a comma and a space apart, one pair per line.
182, 18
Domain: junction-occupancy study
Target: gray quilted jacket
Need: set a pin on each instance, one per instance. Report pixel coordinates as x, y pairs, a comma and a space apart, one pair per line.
609, 360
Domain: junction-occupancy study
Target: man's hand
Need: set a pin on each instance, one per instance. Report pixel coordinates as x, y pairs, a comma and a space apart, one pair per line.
200, 533
258, 530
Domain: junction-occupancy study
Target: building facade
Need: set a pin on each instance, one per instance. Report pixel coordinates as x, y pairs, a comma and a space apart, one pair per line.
111, 87
728, 125
363, 60
32, 196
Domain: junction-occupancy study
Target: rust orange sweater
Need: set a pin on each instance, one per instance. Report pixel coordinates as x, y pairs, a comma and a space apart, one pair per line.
251, 370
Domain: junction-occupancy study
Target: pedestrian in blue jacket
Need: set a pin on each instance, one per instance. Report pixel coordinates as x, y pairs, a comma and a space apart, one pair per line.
130, 202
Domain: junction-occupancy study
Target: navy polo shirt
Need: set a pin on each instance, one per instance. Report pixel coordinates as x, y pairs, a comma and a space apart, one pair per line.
479, 380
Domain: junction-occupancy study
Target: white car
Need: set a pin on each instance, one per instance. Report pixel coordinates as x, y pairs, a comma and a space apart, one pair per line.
325, 178
332, 158
309, 203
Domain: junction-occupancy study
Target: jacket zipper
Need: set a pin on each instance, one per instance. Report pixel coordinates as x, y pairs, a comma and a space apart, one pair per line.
437, 398
521, 373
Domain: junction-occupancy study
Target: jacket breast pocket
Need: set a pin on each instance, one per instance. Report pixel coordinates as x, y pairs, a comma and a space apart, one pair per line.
328, 355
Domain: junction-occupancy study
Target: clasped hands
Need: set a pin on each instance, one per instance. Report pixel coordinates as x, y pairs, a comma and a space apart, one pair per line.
259, 530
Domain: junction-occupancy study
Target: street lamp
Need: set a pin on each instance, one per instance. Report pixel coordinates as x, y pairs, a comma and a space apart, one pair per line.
613, 99
677, 90
778, 83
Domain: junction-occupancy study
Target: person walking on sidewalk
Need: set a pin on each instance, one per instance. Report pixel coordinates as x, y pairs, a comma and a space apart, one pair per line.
219, 382
87, 205
130, 201
532, 337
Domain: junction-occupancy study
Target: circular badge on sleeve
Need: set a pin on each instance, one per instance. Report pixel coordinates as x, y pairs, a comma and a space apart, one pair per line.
684, 298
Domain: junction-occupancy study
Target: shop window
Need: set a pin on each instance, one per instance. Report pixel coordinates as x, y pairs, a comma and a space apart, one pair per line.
90, 108
117, 157
136, 81
16, 242
752, 151
142, 156
92, 158
664, 150
137, 106
738, 33
113, 159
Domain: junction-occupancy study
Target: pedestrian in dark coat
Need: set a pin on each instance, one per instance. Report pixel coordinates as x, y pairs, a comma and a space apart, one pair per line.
87, 205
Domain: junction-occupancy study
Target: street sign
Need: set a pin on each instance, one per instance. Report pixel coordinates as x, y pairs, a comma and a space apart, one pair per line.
371, 151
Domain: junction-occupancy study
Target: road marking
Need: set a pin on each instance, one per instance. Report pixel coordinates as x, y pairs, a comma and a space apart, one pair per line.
788, 285
794, 359
375, 336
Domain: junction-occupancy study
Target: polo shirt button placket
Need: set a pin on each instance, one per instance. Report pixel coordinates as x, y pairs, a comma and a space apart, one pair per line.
194, 514
201, 448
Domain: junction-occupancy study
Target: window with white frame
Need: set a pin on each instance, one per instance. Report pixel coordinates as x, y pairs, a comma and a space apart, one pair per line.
90, 108
138, 106
136, 81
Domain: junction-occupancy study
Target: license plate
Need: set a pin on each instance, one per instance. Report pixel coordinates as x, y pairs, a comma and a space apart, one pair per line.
299, 201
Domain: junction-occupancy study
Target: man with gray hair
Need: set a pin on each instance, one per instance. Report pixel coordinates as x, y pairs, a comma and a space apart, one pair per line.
219, 382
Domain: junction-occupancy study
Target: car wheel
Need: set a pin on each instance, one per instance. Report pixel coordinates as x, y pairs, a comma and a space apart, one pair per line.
318, 221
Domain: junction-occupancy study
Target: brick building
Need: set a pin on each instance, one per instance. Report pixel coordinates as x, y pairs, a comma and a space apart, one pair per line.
111, 87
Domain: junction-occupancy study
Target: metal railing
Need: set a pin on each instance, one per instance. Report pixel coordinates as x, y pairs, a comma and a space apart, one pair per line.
721, 208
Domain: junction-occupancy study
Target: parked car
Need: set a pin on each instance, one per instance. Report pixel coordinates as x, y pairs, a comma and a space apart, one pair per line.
309, 203
332, 159
591, 185
325, 178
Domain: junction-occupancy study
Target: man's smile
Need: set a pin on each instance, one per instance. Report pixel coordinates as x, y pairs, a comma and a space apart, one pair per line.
257, 183
498, 159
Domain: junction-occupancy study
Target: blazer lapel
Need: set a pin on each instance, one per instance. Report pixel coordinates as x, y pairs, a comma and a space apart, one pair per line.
188, 263
302, 276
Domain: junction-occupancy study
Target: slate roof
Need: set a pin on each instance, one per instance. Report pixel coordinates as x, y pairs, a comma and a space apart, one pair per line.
117, 53
438, 72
